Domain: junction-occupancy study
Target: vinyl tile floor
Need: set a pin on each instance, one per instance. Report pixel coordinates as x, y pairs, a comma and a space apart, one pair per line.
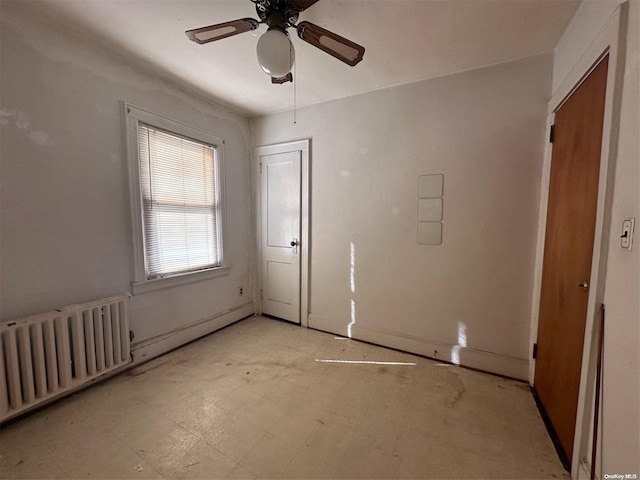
266, 399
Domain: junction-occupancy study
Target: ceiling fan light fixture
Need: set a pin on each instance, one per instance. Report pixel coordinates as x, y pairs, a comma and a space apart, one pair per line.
276, 54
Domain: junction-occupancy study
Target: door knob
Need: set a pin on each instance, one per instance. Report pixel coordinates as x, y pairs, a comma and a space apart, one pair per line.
293, 243
584, 285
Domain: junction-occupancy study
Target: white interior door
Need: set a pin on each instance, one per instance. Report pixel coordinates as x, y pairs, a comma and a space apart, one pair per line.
281, 234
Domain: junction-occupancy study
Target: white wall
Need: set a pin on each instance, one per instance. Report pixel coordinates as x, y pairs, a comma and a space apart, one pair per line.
66, 231
484, 130
621, 372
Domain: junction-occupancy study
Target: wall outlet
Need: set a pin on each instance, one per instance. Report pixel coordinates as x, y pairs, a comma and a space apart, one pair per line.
241, 291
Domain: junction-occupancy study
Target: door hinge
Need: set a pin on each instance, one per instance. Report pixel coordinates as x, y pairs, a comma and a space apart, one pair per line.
535, 351
552, 133
260, 294
260, 167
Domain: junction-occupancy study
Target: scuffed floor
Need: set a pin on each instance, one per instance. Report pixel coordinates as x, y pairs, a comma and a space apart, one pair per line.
255, 400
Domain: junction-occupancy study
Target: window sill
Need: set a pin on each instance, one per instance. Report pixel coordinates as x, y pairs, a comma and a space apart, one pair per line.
177, 280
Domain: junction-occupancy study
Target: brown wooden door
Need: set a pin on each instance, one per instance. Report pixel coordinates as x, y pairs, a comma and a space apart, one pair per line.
568, 250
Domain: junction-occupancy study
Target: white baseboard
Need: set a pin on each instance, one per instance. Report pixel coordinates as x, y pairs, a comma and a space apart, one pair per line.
469, 357
154, 347
584, 470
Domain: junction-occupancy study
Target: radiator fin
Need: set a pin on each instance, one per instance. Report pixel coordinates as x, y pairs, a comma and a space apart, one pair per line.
98, 328
4, 393
90, 351
39, 365
26, 365
13, 370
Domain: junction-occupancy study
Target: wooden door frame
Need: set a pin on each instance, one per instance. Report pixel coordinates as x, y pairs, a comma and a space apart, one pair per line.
304, 146
612, 41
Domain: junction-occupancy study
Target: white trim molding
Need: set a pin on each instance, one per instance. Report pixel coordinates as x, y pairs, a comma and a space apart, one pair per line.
610, 41
304, 146
153, 347
177, 280
463, 356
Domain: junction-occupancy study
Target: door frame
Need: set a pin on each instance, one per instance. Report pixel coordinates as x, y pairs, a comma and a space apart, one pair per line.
304, 146
611, 40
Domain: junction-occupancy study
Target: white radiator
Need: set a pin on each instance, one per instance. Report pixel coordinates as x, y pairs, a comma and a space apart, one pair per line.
45, 355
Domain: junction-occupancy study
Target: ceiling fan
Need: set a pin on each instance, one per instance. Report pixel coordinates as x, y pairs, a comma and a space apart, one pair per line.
276, 54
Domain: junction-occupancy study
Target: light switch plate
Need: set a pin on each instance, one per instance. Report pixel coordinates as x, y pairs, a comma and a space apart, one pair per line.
626, 239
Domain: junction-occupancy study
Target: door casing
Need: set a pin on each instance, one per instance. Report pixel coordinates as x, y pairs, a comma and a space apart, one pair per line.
569, 246
611, 40
304, 147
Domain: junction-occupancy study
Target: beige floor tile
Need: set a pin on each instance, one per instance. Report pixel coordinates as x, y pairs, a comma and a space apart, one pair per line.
417, 455
305, 379
296, 428
305, 466
328, 444
238, 440
239, 401
122, 420
202, 417
389, 402
206, 463
362, 459
266, 413
24, 462
217, 384
175, 454
334, 383
379, 431
106, 458
241, 473
162, 393
333, 413
148, 433
82, 447
290, 393
269, 457
62, 418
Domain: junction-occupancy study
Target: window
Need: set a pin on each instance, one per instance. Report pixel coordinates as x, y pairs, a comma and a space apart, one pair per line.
175, 174
179, 205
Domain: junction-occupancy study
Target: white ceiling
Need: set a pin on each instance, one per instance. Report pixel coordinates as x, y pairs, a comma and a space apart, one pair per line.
405, 40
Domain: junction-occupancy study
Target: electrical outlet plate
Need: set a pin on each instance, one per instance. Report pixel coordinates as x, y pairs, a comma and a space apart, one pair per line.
626, 239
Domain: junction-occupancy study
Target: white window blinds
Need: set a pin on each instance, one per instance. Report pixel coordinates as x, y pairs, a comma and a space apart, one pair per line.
180, 205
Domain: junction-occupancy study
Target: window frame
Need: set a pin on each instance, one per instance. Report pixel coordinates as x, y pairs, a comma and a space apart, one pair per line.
133, 116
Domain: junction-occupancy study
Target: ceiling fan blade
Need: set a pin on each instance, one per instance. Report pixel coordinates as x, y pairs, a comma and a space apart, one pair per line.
345, 50
300, 5
280, 80
221, 30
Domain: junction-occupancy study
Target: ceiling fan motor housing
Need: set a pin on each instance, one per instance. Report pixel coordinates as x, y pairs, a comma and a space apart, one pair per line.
277, 12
